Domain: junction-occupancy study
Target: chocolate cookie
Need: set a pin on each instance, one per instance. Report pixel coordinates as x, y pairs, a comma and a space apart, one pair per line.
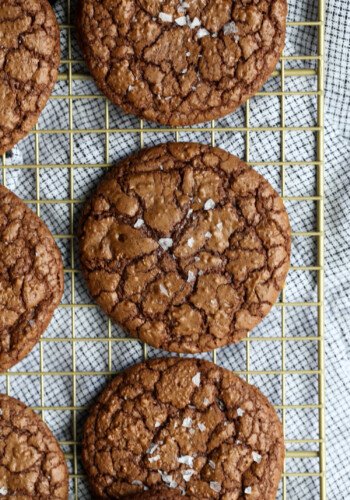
187, 425
31, 278
185, 246
32, 464
180, 63
29, 60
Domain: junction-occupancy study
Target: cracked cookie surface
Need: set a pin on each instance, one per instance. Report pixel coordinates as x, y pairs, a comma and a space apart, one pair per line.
31, 278
180, 63
185, 246
29, 59
187, 425
32, 464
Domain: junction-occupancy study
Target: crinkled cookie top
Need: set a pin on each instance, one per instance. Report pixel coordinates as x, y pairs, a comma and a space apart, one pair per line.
185, 246
32, 464
31, 278
181, 62
185, 425
29, 59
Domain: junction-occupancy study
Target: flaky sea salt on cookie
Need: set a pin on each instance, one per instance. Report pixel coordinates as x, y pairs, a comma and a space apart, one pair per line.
185, 246
180, 63
203, 447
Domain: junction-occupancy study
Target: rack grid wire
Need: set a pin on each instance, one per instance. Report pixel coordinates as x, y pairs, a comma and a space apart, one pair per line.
308, 447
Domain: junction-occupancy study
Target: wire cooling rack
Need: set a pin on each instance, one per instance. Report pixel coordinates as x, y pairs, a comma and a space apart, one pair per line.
78, 136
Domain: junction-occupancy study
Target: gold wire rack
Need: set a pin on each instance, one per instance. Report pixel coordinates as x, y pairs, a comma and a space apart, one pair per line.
308, 447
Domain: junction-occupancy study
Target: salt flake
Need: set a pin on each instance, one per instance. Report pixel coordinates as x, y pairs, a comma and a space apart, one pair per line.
187, 422
154, 459
215, 486
209, 204
157, 424
166, 243
248, 490
201, 427
190, 212
206, 401
166, 18
190, 278
136, 482
187, 474
212, 464
152, 448
202, 32
208, 235
188, 54
167, 479
240, 412
186, 459
219, 226
190, 242
130, 88
197, 379
181, 21
3, 491
256, 457
230, 28
163, 290
195, 23
139, 223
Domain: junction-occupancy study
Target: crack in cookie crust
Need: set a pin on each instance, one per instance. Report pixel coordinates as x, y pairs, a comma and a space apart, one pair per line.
29, 60
185, 246
187, 425
31, 278
32, 464
181, 63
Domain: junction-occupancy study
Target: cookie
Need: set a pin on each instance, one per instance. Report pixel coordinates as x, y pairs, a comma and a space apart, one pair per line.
31, 278
32, 464
187, 425
29, 60
185, 246
181, 63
